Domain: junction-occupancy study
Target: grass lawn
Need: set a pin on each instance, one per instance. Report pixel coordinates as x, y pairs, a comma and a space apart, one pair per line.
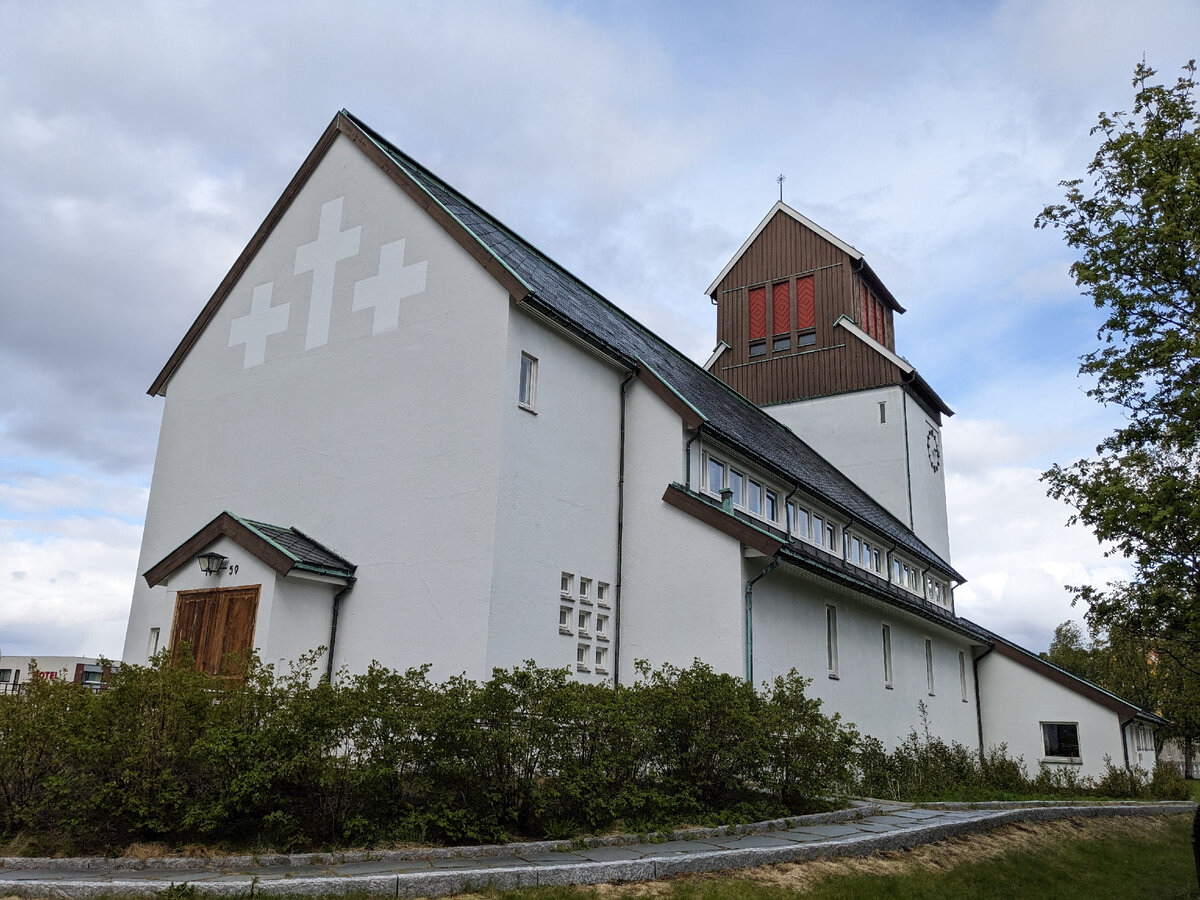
1092, 858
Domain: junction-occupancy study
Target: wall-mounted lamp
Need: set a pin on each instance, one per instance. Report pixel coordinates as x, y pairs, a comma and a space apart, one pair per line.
211, 563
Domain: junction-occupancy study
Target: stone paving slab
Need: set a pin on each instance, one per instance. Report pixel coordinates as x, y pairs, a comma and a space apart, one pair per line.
755, 840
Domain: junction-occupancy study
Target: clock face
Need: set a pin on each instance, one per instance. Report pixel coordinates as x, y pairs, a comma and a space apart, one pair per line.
933, 446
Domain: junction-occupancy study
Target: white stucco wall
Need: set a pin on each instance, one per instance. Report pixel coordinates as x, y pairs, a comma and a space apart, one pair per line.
1016, 700
884, 459
557, 501
682, 578
790, 632
383, 442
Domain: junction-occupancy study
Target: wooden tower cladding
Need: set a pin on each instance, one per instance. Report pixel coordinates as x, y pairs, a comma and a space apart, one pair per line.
777, 305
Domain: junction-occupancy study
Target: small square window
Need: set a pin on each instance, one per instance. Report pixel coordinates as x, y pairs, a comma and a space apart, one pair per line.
581, 657
782, 343
758, 348
806, 340
567, 586
527, 391
601, 659
5, 676
602, 594
585, 623
602, 627
585, 590
564, 620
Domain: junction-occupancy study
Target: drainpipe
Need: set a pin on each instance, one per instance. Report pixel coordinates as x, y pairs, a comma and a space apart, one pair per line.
979, 706
750, 618
1125, 743
337, 608
620, 537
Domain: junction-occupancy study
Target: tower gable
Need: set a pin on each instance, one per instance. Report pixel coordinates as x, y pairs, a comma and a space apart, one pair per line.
778, 303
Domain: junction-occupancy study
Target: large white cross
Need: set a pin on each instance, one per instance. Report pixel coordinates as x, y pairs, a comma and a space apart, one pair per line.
394, 282
321, 257
254, 328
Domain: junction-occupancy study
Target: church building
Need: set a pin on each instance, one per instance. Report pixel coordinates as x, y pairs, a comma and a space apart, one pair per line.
400, 432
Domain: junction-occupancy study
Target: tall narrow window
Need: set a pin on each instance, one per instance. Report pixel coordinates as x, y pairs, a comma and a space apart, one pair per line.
962, 674
754, 498
566, 585
152, 648
831, 646
771, 507
929, 664
527, 393
882, 412
887, 656
806, 309
737, 484
818, 531
716, 476
758, 313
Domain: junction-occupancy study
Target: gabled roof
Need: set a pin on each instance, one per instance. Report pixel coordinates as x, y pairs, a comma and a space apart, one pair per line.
781, 208
535, 280
1093, 692
286, 550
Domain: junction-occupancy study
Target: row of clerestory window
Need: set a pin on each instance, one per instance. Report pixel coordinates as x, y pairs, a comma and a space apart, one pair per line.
807, 522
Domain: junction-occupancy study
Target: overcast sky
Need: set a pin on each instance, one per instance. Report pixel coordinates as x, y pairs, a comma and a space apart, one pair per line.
637, 143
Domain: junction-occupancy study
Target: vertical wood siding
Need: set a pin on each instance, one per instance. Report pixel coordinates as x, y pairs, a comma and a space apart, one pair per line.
827, 287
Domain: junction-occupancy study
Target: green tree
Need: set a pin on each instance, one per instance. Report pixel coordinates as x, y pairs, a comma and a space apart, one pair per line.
1135, 221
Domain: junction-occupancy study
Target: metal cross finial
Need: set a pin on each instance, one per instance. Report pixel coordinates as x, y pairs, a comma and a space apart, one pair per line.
781, 179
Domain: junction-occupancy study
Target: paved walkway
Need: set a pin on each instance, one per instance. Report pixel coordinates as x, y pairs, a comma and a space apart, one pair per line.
439, 872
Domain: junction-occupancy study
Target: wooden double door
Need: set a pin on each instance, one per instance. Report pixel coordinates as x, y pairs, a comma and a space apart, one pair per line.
214, 624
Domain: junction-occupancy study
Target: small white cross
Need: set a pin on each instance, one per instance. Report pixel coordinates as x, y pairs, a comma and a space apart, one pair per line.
254, 328
321, 258
394, 282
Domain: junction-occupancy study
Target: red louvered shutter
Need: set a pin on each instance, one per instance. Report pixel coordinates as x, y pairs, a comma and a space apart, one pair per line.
780, 308
806, 315
758, 313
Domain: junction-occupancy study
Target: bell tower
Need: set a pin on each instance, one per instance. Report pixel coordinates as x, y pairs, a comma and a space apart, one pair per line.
806, 330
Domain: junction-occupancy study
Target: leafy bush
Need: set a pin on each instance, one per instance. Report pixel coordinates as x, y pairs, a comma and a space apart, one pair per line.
294, 760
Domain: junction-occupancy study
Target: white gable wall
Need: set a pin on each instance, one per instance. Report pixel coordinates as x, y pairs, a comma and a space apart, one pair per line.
1015, 701
385, 446
557, 508
682, 578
